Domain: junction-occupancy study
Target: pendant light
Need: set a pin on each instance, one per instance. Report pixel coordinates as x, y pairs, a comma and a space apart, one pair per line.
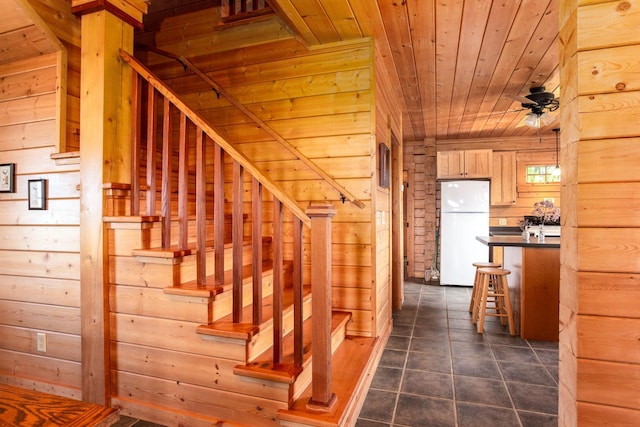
556, 171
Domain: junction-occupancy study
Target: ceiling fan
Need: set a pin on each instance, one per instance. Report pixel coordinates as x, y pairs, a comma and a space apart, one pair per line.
541, 104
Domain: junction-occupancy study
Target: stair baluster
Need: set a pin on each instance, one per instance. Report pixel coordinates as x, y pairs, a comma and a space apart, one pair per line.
183, 185
151, 150
298, 315
218, 213
167, 173
238, 241
256, 239
201, 210
277, 281
136, 143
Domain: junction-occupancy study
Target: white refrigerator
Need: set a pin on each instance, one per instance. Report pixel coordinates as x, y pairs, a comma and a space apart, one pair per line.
464, 214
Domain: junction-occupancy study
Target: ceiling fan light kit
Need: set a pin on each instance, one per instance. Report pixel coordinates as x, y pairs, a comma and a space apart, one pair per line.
541, 103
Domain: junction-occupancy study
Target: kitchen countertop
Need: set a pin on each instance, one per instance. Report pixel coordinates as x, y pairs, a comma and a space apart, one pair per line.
491, 241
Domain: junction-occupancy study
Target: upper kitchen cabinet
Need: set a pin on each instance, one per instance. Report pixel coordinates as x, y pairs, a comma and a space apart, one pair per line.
464, 164
503, 179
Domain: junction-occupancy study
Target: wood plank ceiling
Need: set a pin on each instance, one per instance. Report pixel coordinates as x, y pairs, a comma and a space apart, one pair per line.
22, 33
458, 63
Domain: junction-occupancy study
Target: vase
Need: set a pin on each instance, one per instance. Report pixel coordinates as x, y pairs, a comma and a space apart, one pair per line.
541, 233
525, 235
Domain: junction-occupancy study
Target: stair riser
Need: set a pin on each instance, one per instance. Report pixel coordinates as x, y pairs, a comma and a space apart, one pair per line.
247, 351
125, 237
263, 341
195, 369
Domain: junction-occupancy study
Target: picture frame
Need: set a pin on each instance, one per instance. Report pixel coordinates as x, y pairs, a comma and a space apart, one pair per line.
7, 178
383, 165
37, 194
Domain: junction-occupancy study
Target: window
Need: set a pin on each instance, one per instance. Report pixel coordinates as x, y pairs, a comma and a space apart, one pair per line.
542, 174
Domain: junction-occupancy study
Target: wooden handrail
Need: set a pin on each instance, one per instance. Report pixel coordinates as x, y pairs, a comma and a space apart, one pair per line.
236, 155
344, 193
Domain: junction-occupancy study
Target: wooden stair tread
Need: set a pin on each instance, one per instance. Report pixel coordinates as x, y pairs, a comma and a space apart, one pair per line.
21, 407
176, 252
286, 372
349, 364
211, 289
225, 327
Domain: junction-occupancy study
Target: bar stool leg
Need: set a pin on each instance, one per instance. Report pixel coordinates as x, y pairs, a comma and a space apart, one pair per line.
507, 304
484, 289
474, 291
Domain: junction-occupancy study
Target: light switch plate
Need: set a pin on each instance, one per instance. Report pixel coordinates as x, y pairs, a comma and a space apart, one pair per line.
41, 342
502, 221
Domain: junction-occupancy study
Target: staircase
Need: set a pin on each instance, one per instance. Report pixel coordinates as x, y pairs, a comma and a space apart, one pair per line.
211, 307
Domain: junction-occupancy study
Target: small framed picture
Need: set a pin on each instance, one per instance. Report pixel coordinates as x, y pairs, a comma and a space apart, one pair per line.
37, 194
383, 165
7, 178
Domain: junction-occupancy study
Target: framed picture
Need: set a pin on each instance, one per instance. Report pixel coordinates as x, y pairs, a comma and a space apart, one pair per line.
37, 194
383, 165
7, 177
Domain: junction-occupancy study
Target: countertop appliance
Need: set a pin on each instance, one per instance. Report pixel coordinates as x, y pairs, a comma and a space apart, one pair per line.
464, 214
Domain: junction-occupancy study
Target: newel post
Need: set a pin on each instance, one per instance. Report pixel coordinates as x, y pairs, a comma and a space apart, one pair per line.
322, 398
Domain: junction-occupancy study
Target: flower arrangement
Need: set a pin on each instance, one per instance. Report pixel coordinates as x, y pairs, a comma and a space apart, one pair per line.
546, 211
523, 224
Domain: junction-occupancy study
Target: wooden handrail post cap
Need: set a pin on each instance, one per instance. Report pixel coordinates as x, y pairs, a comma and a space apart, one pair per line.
321, 211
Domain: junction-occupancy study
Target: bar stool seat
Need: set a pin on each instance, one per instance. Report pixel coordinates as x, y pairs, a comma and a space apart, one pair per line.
494, 284
476, 286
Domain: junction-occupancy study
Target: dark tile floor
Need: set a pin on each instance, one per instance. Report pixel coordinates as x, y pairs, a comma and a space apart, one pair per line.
438, 371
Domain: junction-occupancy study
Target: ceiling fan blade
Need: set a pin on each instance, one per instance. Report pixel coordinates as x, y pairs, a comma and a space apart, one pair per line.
495, 113
521, 99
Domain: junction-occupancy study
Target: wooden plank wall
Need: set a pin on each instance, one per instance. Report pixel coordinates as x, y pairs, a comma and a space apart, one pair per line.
39, 249
320, 100
57, 15
600, 293
388, 130
423, 191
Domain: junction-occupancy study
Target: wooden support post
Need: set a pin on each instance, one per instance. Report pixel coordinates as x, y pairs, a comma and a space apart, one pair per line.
322, 398
105, 157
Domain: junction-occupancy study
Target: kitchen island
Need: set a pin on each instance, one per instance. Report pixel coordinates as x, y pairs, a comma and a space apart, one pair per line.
534, 283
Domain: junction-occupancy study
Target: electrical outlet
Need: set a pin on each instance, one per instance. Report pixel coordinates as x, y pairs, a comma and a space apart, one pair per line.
41, 342
502, 221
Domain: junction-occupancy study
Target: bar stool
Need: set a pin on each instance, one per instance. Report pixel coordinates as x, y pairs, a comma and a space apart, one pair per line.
476, 286
493, 284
